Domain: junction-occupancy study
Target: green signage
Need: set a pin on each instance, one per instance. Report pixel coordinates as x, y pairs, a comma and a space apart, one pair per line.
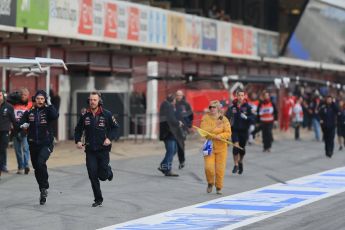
33, 14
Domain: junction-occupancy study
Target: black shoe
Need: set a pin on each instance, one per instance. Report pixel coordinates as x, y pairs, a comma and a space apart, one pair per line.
329, 155
234, 170
43, 196
171, 174
181, 166
27, 170
5, 170
97, 204
240, 168
161, 170
111, 174
209, 188
340, 148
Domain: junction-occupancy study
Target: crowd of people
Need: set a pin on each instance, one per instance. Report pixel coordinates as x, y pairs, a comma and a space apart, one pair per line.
32, 128
241, 121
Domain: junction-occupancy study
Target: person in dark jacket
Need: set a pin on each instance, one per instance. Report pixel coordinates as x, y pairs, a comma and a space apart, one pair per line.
169, 127
313, 110
328, 119
99, 127
184, 113
341, 124
37, 123
6, 119
267, 116
241, 117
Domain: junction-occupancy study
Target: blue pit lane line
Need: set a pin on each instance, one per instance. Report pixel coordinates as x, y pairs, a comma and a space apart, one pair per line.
241, 209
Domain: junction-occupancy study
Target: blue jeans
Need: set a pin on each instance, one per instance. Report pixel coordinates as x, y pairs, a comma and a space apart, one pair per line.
316, 128
171, 148
21, 147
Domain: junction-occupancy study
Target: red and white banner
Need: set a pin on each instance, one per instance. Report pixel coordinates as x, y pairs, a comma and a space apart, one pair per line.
111, 20
85, 17
133, 24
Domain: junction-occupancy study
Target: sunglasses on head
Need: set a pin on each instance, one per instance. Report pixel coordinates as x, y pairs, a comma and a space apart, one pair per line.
212, 107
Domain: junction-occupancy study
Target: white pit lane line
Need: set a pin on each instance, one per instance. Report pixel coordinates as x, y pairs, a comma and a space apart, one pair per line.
245, 208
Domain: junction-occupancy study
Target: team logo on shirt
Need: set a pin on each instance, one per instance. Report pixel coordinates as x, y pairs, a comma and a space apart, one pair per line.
43, 118
101, 122
31, 117
87, 121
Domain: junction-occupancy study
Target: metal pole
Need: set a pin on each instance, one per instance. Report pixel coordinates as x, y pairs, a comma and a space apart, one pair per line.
48, 74
4, 55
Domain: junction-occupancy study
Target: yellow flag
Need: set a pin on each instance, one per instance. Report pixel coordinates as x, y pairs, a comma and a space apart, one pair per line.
204, 133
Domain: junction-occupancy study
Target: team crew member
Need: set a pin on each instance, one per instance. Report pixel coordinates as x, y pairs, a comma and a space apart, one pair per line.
341, 124
297, 116
99, 127
328, 116
217, 124
37, 122
267, 114
253, 103
240, 116
184, 113
6, 118
20, 141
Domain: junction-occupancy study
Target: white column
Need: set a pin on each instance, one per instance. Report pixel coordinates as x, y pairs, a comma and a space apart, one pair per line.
48, 73
152, 101
64, 92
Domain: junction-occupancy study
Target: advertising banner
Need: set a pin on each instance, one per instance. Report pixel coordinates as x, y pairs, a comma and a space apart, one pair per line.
110, 20
193, 32
237, 36
243, 41
209, 35
63, 14
122, 19
157, 27
248, 42
176, 28
98, 18
143, 24
224, 37
133, 23
33, 14
85, 17
267, 45
8, 10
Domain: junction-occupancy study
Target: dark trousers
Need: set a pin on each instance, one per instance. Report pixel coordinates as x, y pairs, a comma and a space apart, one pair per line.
180, 151
328, 135
170, 147
97, 163
297, 127
240, 136
267, 136
3, 148
257, 129
39, 156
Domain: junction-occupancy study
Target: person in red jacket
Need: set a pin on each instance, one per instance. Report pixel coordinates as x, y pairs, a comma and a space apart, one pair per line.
267, 115
288, 104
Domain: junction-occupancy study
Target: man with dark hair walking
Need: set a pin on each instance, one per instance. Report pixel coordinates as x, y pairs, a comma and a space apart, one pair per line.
328, 118
37, 122
267, 115
168, 132
240, 116
99, 128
